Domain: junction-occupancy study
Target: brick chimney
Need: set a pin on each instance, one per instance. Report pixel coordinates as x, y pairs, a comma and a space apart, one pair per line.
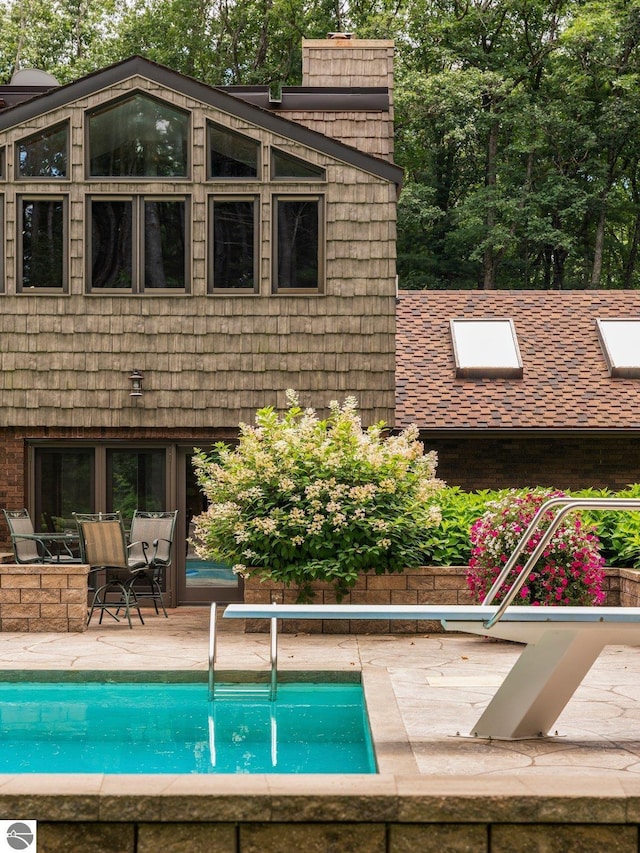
351, 64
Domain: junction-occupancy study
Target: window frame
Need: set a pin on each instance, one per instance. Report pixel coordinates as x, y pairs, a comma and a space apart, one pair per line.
114, 102
465, 370
275, 152
21, 198
49, 130
257, 178
138, 202
319, 199
212, 200
617, 368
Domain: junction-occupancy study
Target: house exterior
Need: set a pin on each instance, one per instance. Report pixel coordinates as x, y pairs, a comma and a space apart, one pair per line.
560, 409
177, 256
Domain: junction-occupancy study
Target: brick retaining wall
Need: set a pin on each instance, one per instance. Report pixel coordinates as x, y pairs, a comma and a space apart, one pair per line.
43, 597
421, 585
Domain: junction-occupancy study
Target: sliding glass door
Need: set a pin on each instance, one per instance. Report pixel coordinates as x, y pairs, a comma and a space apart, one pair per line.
103, 477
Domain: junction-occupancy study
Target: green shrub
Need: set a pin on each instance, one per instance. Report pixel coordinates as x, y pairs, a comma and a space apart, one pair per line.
302, 499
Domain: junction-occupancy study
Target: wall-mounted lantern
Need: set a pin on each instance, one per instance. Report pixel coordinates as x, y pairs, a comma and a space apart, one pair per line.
136, 384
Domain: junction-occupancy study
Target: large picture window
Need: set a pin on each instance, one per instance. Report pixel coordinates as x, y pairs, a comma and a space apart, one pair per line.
231, 154
139, 137
43, 155
298, 242
234, 244
138, 244
42, 253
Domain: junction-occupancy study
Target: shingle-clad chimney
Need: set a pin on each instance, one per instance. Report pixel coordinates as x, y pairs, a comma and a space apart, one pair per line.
341, 60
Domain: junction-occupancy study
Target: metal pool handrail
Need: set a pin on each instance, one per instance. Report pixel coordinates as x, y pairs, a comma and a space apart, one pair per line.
566, 505
273, 654
212, 650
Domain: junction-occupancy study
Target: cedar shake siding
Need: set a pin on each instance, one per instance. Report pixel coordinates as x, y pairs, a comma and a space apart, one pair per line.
209, 360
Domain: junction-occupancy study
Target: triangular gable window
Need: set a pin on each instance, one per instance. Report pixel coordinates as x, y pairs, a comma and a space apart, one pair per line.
487, 347
287, 166
43, 155
620, 341
139, 137
231, 154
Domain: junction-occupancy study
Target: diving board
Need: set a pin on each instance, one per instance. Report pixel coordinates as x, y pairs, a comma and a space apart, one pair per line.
561, 645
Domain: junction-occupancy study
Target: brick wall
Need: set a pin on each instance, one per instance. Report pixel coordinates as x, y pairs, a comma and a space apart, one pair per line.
562, 461
43, 597
420, 585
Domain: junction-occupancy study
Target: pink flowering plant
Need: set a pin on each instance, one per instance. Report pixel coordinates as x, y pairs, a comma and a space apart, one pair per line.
570, 572
301, 499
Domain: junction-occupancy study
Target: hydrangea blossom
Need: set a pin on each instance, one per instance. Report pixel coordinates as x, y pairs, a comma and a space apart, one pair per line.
312, 499
570, 571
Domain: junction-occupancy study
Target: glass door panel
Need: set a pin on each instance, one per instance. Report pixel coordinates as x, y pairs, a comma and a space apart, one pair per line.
65, 483
201, 580
136, 479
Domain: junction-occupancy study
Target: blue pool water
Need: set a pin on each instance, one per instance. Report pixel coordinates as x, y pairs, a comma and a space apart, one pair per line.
64, 727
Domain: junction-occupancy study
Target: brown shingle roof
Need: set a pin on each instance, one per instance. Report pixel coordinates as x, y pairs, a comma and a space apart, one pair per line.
566, 383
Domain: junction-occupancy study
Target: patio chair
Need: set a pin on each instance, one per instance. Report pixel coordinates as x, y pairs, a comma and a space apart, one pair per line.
32, 547
104, 548
151, 540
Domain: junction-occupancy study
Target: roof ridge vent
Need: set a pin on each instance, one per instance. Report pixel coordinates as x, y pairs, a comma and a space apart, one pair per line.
33, 77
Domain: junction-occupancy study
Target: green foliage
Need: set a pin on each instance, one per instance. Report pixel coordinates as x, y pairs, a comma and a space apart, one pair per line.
302, 499
619, 532
449, 543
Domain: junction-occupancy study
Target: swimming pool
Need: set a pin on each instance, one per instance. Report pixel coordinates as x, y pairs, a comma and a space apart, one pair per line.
167, 727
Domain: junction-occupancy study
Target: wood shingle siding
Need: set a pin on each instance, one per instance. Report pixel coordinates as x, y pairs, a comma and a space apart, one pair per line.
208, 360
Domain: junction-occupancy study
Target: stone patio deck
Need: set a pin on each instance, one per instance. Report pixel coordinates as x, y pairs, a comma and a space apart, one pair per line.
436, 791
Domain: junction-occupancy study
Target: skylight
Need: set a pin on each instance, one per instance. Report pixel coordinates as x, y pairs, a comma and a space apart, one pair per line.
620, 341
486, 348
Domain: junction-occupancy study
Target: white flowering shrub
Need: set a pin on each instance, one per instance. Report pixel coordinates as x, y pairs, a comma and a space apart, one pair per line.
301, 499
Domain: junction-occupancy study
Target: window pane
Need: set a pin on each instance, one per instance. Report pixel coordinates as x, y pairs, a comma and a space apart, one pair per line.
620, 340
164, 244
135, 480
140, 137
234, 244
111, 244
297, 244
285, 166
232, 155
44, 155
485, 348
64, 485
42, 243
2, 162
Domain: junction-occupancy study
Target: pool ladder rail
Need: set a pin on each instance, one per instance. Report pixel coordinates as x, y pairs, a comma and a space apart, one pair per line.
272, 686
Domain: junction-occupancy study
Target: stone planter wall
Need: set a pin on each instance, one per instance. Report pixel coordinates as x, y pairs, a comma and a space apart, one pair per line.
46, 597
421, 585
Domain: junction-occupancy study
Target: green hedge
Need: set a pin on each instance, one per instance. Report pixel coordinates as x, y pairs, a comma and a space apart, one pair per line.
449, 543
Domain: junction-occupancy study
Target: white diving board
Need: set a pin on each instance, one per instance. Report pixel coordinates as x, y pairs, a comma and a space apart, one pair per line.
561, 644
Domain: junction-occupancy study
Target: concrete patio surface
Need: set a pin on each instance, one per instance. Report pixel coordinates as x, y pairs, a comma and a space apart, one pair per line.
439, 685
436, 790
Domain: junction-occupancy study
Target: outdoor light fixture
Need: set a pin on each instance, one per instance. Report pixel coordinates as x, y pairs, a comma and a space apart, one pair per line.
136, 384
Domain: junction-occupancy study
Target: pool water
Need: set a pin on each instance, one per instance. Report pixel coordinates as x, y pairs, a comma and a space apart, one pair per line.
65, 727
